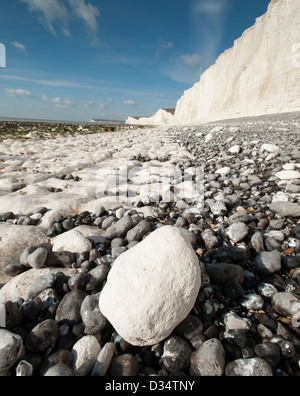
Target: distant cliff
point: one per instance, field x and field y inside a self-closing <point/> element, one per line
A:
<point x="259" y="75"/>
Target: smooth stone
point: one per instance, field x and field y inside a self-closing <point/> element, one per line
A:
<point x="163" y="275"/>
<point x="137" y="233"/>
<point x="268" y="262"/>
<point x="177" y="354"/>
<point x="72" y="241"/>
<point x="234" y="322"/>
<point x="68" y="310"/>
<point x="288" y="175"/>
<point x="237" y="232"/>
<point x="104" y="360"/>
<point x="223" y="171"/>
<point x="222" y="273"/>
<point x="10" y="349"/>
<point x="120" y="228"/>
<point x="287" y="209"/>
<point x="254" y="367"/>
<point x="92" y="318"/>
<point x="42" y="337"/>
<point x="257" y="242"/>
<point x="286" y="304"/>
<point x="40" y="284"/>
<point x="38" y="258"/>
<point x="271" y="148"/>
<point x="209" y="360"/>
<point x="96" y="277"/>
<point x="85" y="353"/>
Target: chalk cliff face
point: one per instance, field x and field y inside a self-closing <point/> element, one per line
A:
<point x="259" y="75"/>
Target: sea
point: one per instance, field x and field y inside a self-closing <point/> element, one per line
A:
<point x="92" y="122"/>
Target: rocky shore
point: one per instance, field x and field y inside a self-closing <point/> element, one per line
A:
<point x="196" y="276"/>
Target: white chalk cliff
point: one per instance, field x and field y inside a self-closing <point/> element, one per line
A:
<point x="259" y="75"/>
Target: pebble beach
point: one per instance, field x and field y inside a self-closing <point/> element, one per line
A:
<point x="170" y="251"/>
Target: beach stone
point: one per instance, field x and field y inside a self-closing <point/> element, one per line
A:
<point x="10" y="349"/>
<point x="163" y="275"/>
<point x="68" y="310"/>
<point x="92" y="318"/>
<point x="209" y="360"/>
<point x="177" y="354"/>
<point x="237" y="232"/>
<point x="268" y="262"/>
<point x="40" y="284"/>
<point x="38" y="258"/>
<point x="234" y="322"/>
<point x="218" y="208"/>
<point x="72" y="241"/>
<point x="137" y="233"/>
<point x="104" y="360"/>
<point x="286" y="304"/>
<point x="222" y="273"/>
<point x="257" y="242"/>
<point x="288" y="175"/>
<point x="14" y="240"/>
<point x="42" y="337"/>
<point x="120" y="228"/>
<point x="254" y="367"/>
<point x="85" y="353"/>
<point x="287" y="209"/>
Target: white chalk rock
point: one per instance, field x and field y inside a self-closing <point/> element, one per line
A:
<point x="85" y="353"/>
<point x="72" y="241"/>
<point x="288" y="175"/>
<point x="152" y="287"/>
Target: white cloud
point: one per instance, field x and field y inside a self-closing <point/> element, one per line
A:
<point x="129" y="103"/>
<point x="87" y="12"/>
<point x="18" y="92"/>
<point x="194" y="61"/>
<point x="52" y="12"/>
<point x="19" y="46"/>
<point x="60" y="103"/>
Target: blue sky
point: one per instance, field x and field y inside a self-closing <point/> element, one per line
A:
<point x="80" y="59"/>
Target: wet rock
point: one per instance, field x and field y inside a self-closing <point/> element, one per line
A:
<point x="68" y="310"/>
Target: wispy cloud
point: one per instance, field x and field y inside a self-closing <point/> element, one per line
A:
<point x="19" y="93"/>
<point x="208" y="19"/>
<point x="56" y="12"/>
<point x="129" y="103"/>
<point x="195" y="61"/>
<point x="19" y="46"/>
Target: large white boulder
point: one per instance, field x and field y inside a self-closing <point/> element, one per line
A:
<point x="152" y="287"/>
